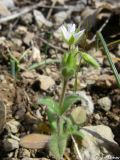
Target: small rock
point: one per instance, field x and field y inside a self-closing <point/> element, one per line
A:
<point x="40" y="19"/>
<point x="60" y="17"/>
<point x="36" y="56"/>
<point x="57" y="34"/>
<point x="27" y="18"/>
<point x="28" y="38"/>
<point x="13" y="126"/>
<point x="65" y="45"/>
<point x="30" y="119"/>
<point x="106" y="81"/>
<point x="17" y="41"/>
<point x="98" y="141"/>
<point x="25" y="152"/>
<point x="86" y="101"/>
<point x="20" y="113"/>
<point x="10" y="144"/>
<point x="79" y="115"/>
<point x="4" y="10"/>
<point x="77" y="19"/>
<point x="21" y="30"/>
<point x="97" y="116"/>
<point x="46" y="82"/>
<point x="105" y="103"/>
<point x="2" y="41"/>
<point x="8" y="3"/>
<point x="2" y="77"/>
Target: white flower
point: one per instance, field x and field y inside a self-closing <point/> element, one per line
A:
<point x="70" y="35"/>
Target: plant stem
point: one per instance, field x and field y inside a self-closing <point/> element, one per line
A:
<point x="63" y="93"/>
<point x="59" y="120"/>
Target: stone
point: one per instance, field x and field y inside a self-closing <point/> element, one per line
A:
<point x="41" y="20"/>
<point x="60" y="17"/>
<point x="10" y="144"/>
<point x="46" y="82"/>
<point x="97" y="140"/>
<point x="4" y="10"/>
<point x="20" y="113"/>
<point x="86" y="101"/>
<point x="97" y="116"/>
<point x="105" y="103"/>
<point x="28" y="38"/>
<point x="79" y="115"/>
<point x="8" y="3"/>
<point x="13" y="126"/>
<point x="17" y="41"/>
<point x="27" y="18"/>
<point x="25" y="152"/>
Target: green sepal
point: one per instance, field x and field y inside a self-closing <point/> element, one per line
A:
<point x="90" y="60"/>
<point x="71" y="40"/>
<point x="68" y="72"/>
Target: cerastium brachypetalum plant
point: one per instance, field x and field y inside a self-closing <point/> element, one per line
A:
<point x="62" y="126"/>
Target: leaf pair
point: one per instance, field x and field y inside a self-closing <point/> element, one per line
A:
<point x="53" y="106"/>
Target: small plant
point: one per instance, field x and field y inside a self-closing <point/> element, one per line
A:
<point x="15" y="63"/>
<point x="62" y="126"/>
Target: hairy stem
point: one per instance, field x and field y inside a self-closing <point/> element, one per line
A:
<point x="63" y="93"/>
<point x="59" y="120"/>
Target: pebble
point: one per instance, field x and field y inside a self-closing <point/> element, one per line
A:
<point x="10" y="144"/>
<point x="17" y="41"/>
<point x="27" y="18"/>
<point x="105" y="103"/>
<point x="2" y="77"/>
<point x="8" y="3"/>
<point x="25" y="152"/>
<point x="13" y="126"/>
<point x="46" y="82"/>
<point x="60" y="17"/>
<point x="97" y="116"/>
<point x="20" y="113"/>
<point x="97" y="140"/>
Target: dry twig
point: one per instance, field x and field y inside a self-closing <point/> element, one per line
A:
<point x="77" y="149"/>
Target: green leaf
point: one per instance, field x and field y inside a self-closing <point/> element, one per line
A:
<point x="52" y="110"/>
<point x="50" y="103"/>
<point x="52" y="119"/>
<point x="68" y="72"/>
<point x="69" y="101"/>
<point x="57" y="145"/>
<point x="90" y="60"/>
<point x="106" y="50"/>
<point x="71" y="129"/>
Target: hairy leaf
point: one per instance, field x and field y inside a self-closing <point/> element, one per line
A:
<point x="52" y="118"/>
<point x="57" y="145"/>
<point x="69" y="101"/>
<point x="50" y="103"/>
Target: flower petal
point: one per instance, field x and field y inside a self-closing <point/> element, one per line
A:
<point x="65" y="32"/>
<point x="71" y="28"/>
<point x="79" y="34"/>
